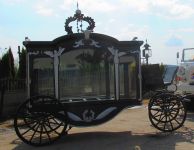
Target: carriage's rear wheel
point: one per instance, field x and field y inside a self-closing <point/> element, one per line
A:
<point x="38" y="128"/>
<point x="167" y="112"/>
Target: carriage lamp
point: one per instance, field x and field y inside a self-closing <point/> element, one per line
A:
<point x="147" y="52"/>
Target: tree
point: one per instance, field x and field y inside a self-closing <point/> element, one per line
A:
<point x="7" y="65"/>
<point x="162" y="68"/>
<point x="22" y="64"/>
<point x="11" y="63"/>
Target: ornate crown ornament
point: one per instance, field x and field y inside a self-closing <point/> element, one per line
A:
<point x="79" y="17"/>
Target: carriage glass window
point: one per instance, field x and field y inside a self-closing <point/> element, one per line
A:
<point x="42" y="77"/>
<point x="86" y="73"/>
<point x="128" y="77"/>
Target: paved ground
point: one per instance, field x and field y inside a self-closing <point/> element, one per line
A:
<point x="127" y="131"/>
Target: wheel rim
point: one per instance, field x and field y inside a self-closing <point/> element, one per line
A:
<point x="37" y="128"/>
<point x="167" y="112"/>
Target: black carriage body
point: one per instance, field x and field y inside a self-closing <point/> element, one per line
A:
<point x="92" y="79"/>
<point x="85" y="79"/>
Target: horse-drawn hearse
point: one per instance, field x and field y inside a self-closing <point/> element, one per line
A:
<point x="85" y="79"/>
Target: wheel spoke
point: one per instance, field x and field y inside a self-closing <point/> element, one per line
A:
<point x="26" y="124"/>
<point x="160" y="118"/>
<point x="165" y="122"/>
<point x="47" y="133"/>
<point x="166" y="112"/>
<point x="170" y="123"/>
<point x="57" y="125"/>
<point x="28" y="130"/>
<point x="174" y="109"/>
<point x="41" y="131"/>
<point x="55" y="121"/>
<point x="29" y="123"/>
<point x="155" y="115"/>
<point x="38" y="128"/>
<point x="34" y="132"/>
<point x="156" y="109"/>
<point x="52" y="129"/>
<point x="176" y="121"/>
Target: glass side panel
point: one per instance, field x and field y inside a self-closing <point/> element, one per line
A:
<point x="188" y="55"/>
<point x="169" y="73"/>
<point x="128" y="77"/>
<point x="42" y="77"/>
<point x="85" y="73"/>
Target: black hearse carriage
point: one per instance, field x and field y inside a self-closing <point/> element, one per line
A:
<point x="84" y="79"/>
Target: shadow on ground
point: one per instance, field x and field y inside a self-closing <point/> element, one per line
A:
<point x="125" y="140"/>
<point x="117" y="141"/>
<point x="190" y="116"/>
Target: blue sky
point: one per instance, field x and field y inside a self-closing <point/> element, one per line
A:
<point x="168" y="25"/>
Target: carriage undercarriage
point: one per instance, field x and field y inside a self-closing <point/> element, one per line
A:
<point x="42" y="119"/>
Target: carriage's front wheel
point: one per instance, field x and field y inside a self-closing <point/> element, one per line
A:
<point x="38" y="128"/>
<point x="167" y="112"/>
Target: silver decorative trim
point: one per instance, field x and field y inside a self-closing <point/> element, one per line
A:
<point x="87" y="34"/>
<point x="33" y="53"/>
<point x="74" y="117"/>
<point x="95" y="44"/>
<point x="105" y="113"/>
<point x="55" y="55"/>
<point x="81" y="43"/>
<point x="116" y="54"/>
<point x="88" y="115"/>
<point x="78" y="44"/>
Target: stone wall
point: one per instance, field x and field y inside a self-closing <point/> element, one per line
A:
<point x="11" y="101"/>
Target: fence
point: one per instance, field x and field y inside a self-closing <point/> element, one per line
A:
<point x="13" y="84"/>
<point x="13" y="95"/>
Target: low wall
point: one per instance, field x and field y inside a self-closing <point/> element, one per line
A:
<point x="11" y="101"/>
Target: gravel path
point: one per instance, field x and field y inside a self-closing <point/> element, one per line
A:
<point x="130" y="130"/>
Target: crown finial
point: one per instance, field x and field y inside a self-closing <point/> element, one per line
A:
<point x="79" y="17"/>
<point x="78" y="11"/>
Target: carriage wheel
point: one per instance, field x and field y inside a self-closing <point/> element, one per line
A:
<point x="167" y="112"/>
<point x="38" y="128"/>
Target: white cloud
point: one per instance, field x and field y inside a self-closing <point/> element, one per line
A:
<point x="99" y="6"/>
<point x="91" y="6"/>
<point x="182" y="30"/>
<point x="175" y="9"/>
<point x="68" y="4"/>
<point x="128" y="32"/>
<point x="44" y="11"/>
<point x="47" y="8"/>
<point x="174" y="41"/>
<point x="139" y="6"/>
<point x="168" y="8"/>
